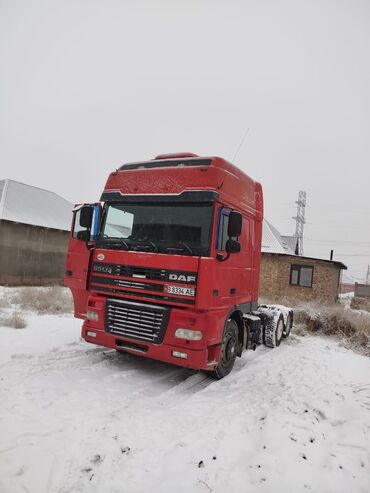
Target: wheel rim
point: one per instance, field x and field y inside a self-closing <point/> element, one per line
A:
<point x="228" y="350"/>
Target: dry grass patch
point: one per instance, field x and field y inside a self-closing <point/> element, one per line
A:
<point x="4" y="301"/>
<point x="53" y="300"/>
<point x="14" y="321"/>
<point x="339" y="320"/>
<point x="360" y="304"/>
<point x="350" y="326"/>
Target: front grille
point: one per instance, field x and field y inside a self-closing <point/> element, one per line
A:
<point x="130" y="271"/>
<point x="144" y="273"/>
<point x="136" y="320"/>
<point x="127" y="284"/>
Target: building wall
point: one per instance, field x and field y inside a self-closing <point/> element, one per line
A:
<point x="362" y="290"/>
<point x="275" y="279"/>
<point x="31" y="255"/>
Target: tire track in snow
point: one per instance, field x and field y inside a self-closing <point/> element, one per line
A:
<point x="264" y="414"/>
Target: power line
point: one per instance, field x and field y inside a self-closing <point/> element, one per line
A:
<point x="365" y="254"/>
<point x="346" y="242"/>
<point x="240" y="145"/>
<point x="353" y="255"/>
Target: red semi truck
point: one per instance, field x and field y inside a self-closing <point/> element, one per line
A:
<point x="167" y="264"/>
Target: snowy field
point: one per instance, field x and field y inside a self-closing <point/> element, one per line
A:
<point x="78" y="418"/>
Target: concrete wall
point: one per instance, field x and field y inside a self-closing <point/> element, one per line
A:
<point x="31" y="255"/>
<point x="275" y="279"/>
<point x="362" y="290"/>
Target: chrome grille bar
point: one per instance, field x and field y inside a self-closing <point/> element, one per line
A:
<point x="136" y="320"/>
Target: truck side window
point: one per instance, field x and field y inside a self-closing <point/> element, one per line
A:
<point x="76" y="225"/>
<point x="223" y="223"/>
<point x="77" y="229"/>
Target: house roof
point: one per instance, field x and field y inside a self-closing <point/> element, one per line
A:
<point x="26" y="204"/>
<point x="338" y="264"/>
<point x="274" y="242"/>
<point x="292" y="242"/>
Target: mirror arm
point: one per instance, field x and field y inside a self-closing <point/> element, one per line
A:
<point x="222" y="258"/>
<point x="88" y="246"/>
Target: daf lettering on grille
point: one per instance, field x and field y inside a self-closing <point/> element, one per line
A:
<point x="182" y="278"/>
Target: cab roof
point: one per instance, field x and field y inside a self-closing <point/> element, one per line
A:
<point x="174" y="174"/>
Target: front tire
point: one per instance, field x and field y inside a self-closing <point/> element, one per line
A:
<point x="229" y="348"/>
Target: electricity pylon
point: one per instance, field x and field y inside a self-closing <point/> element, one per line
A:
<point x="300" y="220"/>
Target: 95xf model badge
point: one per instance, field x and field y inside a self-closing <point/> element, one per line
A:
<point x="180" y="290"/>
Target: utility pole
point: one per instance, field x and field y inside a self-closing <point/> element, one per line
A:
<point x="300" y="220"/>
<point x="368" y="275"/>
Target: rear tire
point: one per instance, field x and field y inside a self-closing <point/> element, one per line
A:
<point x="229" y="348"/>
<point x="289" y="325"/>
<point x="273" y="332"/>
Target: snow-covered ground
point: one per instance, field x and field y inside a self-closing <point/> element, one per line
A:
<point x="78" y="418"/>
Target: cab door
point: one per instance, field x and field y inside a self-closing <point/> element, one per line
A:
<point x="78" y="260"/>
<point x="233" y="276"/>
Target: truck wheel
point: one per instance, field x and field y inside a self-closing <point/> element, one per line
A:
<point x="289" y="325"/>
<point x="274" y="332"/>
<point x="229" y="347"/>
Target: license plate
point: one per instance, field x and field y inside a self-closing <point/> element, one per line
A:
<point x="180" y="290"/>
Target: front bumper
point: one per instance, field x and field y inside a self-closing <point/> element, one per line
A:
<point x="197" y="359"/>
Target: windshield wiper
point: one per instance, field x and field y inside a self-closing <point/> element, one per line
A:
<point x="156" y="249"/>
<point x="136" y="243"/>
<point x="122" y="241"/>
<point x="186" y="246"/>
<point x="180" y="247"/>
<point x="143" y="242"/>
<point x="116" y="241"/>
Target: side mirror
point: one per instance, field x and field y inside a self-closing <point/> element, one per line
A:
<point x="235" y="224"/>
<point x="83" y="235"/>
<point x="232" y="246"/>
<point x="86" y="217"/>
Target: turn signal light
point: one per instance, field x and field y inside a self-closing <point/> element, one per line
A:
<point x="178" y="354"/>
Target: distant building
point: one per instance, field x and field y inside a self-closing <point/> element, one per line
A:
<point x="348" y="283"/>
<point x="362" y="290"/>
<point x="286" y="275"/>
<point x="34" y="231"/>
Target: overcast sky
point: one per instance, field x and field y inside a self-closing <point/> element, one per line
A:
<point x="87" y="85"/>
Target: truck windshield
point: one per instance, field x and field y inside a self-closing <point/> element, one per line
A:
<point x="163" y="228"/>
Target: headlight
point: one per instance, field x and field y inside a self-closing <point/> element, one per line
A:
<point x="90" y="315"/>
<point x="190" y="335"/>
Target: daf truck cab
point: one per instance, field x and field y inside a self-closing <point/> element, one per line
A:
<point x="166" y="265"/>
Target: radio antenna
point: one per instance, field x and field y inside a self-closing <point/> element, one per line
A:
<point x="240" y="145"/>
